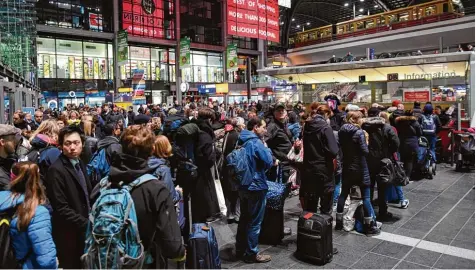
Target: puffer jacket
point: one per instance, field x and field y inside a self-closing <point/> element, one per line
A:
<point x="35" y="246"/>
<point x="89" y="148"/>
<point x="397" y="113"/>
<point x="278" y="140"/>
<point x="409" y="130"/>
<point x="162" y="171"/>
<point x="259" y="157"/>
<point x="49" y="152"/>
<point x="383" y="141"/>
<point x="354" y="152"/>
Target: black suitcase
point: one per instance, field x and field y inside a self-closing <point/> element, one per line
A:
<point x="314" y="238"/>
<point x="272" y="227"/>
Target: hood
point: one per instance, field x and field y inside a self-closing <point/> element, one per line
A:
<point x="247" y="135"/>
<point x="373" y="121"/>
<point x="349" y="129"/>
<point x="107" y="141"/>
<point x="42" y="141"/>
<point x="405" y="119"/>
<point x="7" y="202"/>
<point x="205" y="126"/>
<point x="218" y="125"/>
<point x="155" y="162"/>
<point x="126" y="168"/>
<point x="315" y="124"/>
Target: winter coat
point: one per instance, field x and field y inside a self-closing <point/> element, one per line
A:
<point x="320" y="148"/>
<point x="383" y="142"/>
<point x="49" y="152"/>
<point x="154" y="207"/>
<point x="112" y="145"/>
<point x="130" y="117"/>
<point x="5" y="168"/>
<point x="295" y="130"/>
<point x="162" y="171"/>
<point x="417" y="112"/>
<point x="204" y="195"/>
<point x="337" y="120"/>
<point x="395" y="115"/>
<point x="259" y="157"/>
<point x="114" y="117"/>
<point x="278" y="139"/>
<point x="89" y="148"/>
<point x="339" y="155"/>
<point x="229" y="141"/>
<point x="408" y="131"/>
<point x="354" y="152"/>
<point x="34" y="246"/>
<point x="70" y="210"/>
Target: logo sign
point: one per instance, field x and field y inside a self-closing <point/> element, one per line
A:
<point x="392" y="77"/>
<point x="138" y="87"/>
<point x="204" y="89"/>
<point x="231" y="57"/>
<point x="95" y="22"/>
<point x="148" y="6"/>
<point x="143" y="18"/>
<point x="289" y="87"/>
<point x="184" y="52"/>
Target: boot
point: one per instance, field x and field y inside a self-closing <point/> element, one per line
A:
<point x="339" y="221"/>
<point x="371" y="227"/>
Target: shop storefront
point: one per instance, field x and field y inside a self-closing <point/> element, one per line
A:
<point x="205" y="67"/>
<point x="239" y="76"/>
<point x="158" y="63"/>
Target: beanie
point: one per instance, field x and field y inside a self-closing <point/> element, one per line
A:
<point x="373" y="112"/>
<point x="428" y="109"/>
<point x="396" y="102"/>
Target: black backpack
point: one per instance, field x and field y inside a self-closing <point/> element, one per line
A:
<point x="378" y="146"/>
<point x="7" y="253"/>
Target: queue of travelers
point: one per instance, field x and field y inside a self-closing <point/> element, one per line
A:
<point x="56" y="167"/>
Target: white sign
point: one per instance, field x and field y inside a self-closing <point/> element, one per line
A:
<point x="285" y="3"/>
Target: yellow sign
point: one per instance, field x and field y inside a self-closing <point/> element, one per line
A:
<point x="222" y="88"/>
<point x="124" y="105"/>
<point x="124" y="90"/>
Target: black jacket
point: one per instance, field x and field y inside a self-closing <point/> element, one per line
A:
<point x="114" y="117"/>
<point x="383" y="141"/>
<point x="89" y="148"/>
<point x="112" y="146"/>
<point x="337" y="120"/>
<point x="408" y="131"/>
<point x="395" y="115"/>
<point x="278" y="139"/>
<point x="154" y="207"/>
<point x="70" y="210"/>
<point x="229" y="141"/>
<point x="130" y="117"/>
<point x="354" y="152"/>
<point x="5" y="167"/>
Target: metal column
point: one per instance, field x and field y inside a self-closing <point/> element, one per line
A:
<point x="248" y="79"/>
<point x="117" y="69"/>
<point x="472" y="90"/>
<point x="178" y="72"/>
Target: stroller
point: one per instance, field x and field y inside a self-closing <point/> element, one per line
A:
<point x="464" y="150"/>
<point x="425" y="160"/>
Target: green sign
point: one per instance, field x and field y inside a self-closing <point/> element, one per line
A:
<point x="232" y="57"/>
<point x="184" y="52"/>
<point x="122" y="47"/>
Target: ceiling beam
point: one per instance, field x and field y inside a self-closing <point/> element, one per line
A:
<point x="314" y="18"/>
<point x="382" y="5"/>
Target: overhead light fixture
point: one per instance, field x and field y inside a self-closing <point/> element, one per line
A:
<point x="308" y="23"/>
<point x="362" y="0"/>
<point x="298" y="26"/>
<point x="361" y="10"/>
<point x="346" y="4"/>
<point x="292" y="19"/>
<point x="376" y="6"/>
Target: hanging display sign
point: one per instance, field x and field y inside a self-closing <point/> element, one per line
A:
<point x="184" y="52"/>
<point x="138" y="87"/>
<point x="253" y="19"/>
<point x="122" y="47"/>
<point x="143" y="18"/>
<point x="205" y="89"/>
<point x="222" y="88"/>
<point x="411" y="95"/>
<point x="232" y="57"/>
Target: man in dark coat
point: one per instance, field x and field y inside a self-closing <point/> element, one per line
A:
<point x="68" y="190"/>
<point x="10" y="137"/>
<point x="383" y="143"/>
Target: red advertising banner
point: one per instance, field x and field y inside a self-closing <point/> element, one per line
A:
<point x="143" y="18"/>
<point x="411" y="96"/>
<point x="253" y="19"/>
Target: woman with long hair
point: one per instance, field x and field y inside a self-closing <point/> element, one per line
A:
<point x="355" y="172"/>
<point x="90" y="144"/>
<point x="30" y="227"/>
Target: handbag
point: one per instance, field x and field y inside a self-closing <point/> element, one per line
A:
<point x="277" y="192"/>
<point x="296" y="155"/>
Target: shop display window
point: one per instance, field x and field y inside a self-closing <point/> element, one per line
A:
<point x="95" y="60"/>
<point x="171" y="60"/>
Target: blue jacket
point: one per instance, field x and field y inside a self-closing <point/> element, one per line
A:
<point x="162" y="171"/>
<point x="37" y="242"/>
<point x="295" y="130"/>
<point x="259" y="158"/>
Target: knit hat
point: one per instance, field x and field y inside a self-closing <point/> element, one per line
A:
<point x="141" y="119"/>
<point x="373" y="112"/>
<point x="428" y="109"/>
<point x="396" y="102"/>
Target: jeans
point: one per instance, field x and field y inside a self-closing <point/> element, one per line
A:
<point x="432" y="141"/>
<point x="338" y="187"/>
<point x="399" y="190"/>
<point x="408" y="158"/>
<point x="252" y="206"/>
<point x="365" y="192"/>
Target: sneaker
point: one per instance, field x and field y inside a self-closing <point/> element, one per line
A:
<point x="287" y="231"/>
<point x="404" y="204"/>
<point x="258" y="258"/>
<point x="387" y="218"/>
<point x="379" y="224"/>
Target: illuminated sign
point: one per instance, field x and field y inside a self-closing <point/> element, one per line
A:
<point x="143" y="18"/>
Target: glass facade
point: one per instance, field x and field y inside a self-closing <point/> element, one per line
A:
<point x="205" y="67"/>
<point x="244" y="42"/>
<point x="158" y="63"/>
<point x="200" y="20"/>
<point x="92" y="15"/>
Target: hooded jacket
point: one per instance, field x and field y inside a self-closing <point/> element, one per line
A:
<point x="153" y="204"/>
<point x="397" y="113"/>
<point x="112" y="146"/>
<point x="34" y="246"/>
<point x="320" y="145"/>
<point x="89" y="148"/>
<point x="259" y="157"/>
<point x="383" y="141"/>
<point x="48" y="149"/>
<point x="354" y="153"/>
<point x="162" y="171"/>
<point x="408" y="131"/>
<point x="278" y="139"/>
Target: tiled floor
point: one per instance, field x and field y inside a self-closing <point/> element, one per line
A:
<point x="436" y="231"/>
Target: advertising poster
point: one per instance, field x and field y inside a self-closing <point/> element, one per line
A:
<point x="138" y="87"/>
<point x="253" y="19"/>
<point x="122" y="47"/>
<point x="184" y="52"/>
<point x="143" y="18"/>
<point x="231" y="57"/>
<point x="95" y="22"/>
<point x="411" y="95"/>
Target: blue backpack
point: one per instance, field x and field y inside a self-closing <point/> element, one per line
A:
<point x="428" y="125"/>
<point x="202" y="249"/>
<point x="98" y="167"/>
<point x="112" y="236"/>
<point x="238" y="166"/>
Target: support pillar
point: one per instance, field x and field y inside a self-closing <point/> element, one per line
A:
<point x="178" y="71"/>
<point x="116" y="27"/>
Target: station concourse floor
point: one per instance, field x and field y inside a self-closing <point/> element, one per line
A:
<point x="435" y="232"/>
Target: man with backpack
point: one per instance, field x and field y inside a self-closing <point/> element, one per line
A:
<point x="144" y="201"/>
<point x="253" y="192"/>
<point x="172" y="123"/>
<point x="430" y="124"/>
<point x="383" y="143"/>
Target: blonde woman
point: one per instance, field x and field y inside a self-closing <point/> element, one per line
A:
<point x="355" y="171"/>
<point x="90" y="143"/>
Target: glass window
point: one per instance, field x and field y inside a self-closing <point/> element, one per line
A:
<point x="369" y="24"/>
<point x="110" y="55"/>
<point x="172" y="65"/>
<point x="70" y="63"/>
<point x="403" y="16"/>
<point x="340" y="29"/>
<point x="140" y="59"/>
<point x="431" y="10"/>
<point x="392" y="18"/>
<point x="360" y="25"/>
<point x="95" y="57"/>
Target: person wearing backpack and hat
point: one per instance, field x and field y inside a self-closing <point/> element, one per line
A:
<point x="10" y="139"/>
<point x="430" y="124"/>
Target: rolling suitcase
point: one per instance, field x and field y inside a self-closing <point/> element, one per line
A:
<point x="314" y="238"/>
<point x="202" y="248"/>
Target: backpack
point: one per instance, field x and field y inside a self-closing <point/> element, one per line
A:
<point x="184" y="152"/>
<point x="112" y="236"/>
<point x="378" y="148"/>
<point x="98" y="167"/>
<point x="428" y="125"/>
<point x="7" y="253"/>
<point x="238" y="166"/>
<point x="171" y="127"/>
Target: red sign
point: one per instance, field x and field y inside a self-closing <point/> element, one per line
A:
<point x="143" y="18"/>
<point x="411" y="96"/>
<point x="253" y="19"/>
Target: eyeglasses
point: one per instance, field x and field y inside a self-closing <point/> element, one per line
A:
<point x="69" y="143"/>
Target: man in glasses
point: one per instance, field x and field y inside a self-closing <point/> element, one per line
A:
<point x="68" y="188"/>
<point x="10" y="138"/>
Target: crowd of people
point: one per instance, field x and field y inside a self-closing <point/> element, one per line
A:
<point x="50" y="177"/>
